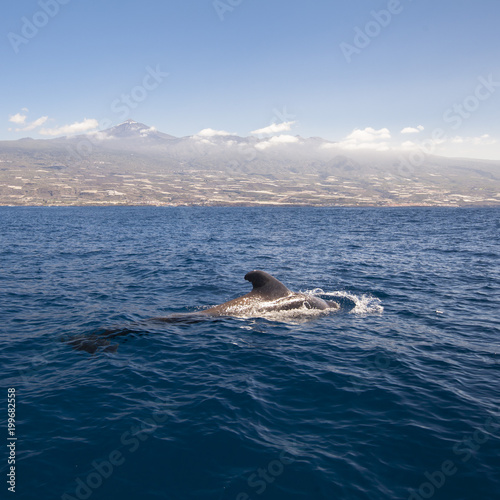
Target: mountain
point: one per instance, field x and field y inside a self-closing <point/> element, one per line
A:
<point x="134" y="130"/>
<point x="133" y="163"/>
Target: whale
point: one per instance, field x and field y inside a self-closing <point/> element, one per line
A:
<point x="268" y="294"/>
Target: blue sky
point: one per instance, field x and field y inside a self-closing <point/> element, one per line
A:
<point x="356" y="71"/>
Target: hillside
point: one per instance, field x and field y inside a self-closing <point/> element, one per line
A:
<point x="133" y="164"/>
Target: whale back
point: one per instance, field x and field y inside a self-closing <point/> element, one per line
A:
<point x="266" y="286"/>
<point x="266" y="296"/>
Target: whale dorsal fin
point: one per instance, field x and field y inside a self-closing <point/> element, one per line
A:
<point x="266" y="286"/>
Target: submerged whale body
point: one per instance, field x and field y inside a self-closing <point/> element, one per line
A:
<point x="268" y="294"/>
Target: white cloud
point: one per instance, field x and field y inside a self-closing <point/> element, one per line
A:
<point x="274" y="128"/>
<point x="75" y="128"/>
<point x="18" y="119"/>
<point x="409" y="145"/>
<point x="100" y="135"/>
<point x="146" y="131"/>
<point x="429" y="144"/>
<point x="483" y="140"/>
<point x="210" y="132"/>
<point x="33" y="125"/>
<point x="369" y="134"/>
<point x="456" y="146"/>
<point x="412" y="130"/>
<point x="277" y="140"/>
<point x="369" y="138"/>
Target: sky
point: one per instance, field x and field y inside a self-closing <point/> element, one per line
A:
<point x="375" y="75"/>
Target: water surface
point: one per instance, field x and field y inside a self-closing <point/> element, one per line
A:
<point x="395" y="396"/>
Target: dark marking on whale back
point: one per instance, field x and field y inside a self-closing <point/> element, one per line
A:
<point x="266" y="286"/>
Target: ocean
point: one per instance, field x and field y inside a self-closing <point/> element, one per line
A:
<point x="394" y="396"/>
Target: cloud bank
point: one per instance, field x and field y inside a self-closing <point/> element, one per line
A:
<point x="277" y="141"/>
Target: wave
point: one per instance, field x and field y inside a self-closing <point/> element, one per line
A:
<point x="352" y="303"/>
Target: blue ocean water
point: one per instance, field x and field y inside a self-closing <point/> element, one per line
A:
<point x="395" y="396"/>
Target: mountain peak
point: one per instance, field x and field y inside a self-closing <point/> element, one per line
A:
<point x="132" y="130"/>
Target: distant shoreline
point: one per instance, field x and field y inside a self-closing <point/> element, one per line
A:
<point x="241" y="205"/>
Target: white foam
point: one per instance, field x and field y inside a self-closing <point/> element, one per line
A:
<point x="298" y="315"/>
<point x="276" y="310"/>
<point x="363" y="304"/>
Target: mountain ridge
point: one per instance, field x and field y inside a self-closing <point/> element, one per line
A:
<point x="133" y="163"/>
